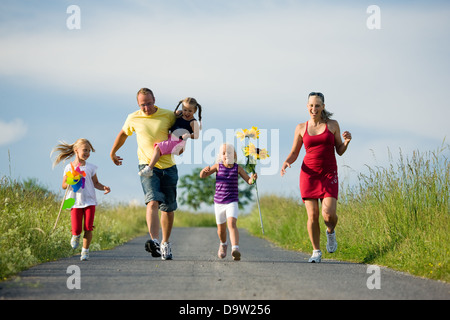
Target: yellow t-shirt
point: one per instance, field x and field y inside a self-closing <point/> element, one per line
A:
<point x="150" y="130"/>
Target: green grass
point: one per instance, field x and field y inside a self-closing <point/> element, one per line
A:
<point x="396" y="217"/>
<point x="28" y="213"/>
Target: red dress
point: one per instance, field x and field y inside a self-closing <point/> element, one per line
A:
<point x="318" y="177"/>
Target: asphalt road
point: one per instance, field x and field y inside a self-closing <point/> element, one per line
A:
<point x="265" y="272"/>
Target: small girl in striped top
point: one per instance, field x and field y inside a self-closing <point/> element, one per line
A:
<point x="226" y="197"/>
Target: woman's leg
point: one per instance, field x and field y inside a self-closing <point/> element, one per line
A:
<point x="312" y="209"/>
<point x="329" y="213"/>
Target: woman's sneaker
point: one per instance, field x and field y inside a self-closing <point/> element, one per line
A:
<point x="166" y="251"/>
<point x="146" y="172"/>
<point x="75" y="241"/>
<point x="153" y="247"/>
<point x="331" y="242"/>
<point x="316" y="256"/>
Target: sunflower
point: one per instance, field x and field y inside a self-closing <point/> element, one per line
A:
<point x="248" y="133"/>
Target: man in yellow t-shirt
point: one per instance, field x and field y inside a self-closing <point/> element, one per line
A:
<point x="151" y="125"/>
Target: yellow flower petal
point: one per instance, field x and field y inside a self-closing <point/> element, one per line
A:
<point x="263" y="154"/>
<point x="253" y="133"/>
<point x="240" y="135"/>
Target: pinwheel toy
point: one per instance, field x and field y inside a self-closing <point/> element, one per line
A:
<point x="76" y="178"/>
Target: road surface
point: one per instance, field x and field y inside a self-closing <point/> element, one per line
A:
<point x="265" y="272"/>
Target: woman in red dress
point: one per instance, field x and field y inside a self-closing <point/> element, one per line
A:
<point x="318" y="178"/>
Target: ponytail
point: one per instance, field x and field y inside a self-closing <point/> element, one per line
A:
<point x="67" y="151"/>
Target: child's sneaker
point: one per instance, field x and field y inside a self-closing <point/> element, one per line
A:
<point x="236" y="255"/>
<point x="316" y="256"/>
<point x="222" y="253"/>
<point x="146" y="172"/>
<point x="331" y="242"/>
<point x="84" y="255"/>
<point x="75" y="241"/>
<point x="153" y="247"/>
<point x="166" y="251"/>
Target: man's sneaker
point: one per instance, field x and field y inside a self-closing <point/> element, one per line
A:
<point x="316" y="256"/>
<point x="166" y="251"/>
<point x="152" y="246"/>
<point x="222" y="253"/>
<point x="75" y="241"/>
<point x="146" y="172"/>
<point x="331" y="242"/>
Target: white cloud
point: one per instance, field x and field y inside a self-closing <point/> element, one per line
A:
<point x="250" y="61"/>
<point x="12" y="131"/>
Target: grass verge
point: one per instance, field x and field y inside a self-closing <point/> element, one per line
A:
<point x="396" y="217"/>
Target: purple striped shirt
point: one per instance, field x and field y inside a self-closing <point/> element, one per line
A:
<point x="227" y="184"/>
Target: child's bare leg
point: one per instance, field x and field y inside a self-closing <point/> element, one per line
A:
<point x="234" y="233"/>
<point x="155" y="158"/>
<point x="222" y="232"/>
<point x="234" y="238"/>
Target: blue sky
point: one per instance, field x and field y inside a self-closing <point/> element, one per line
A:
<point x="249" y="63"/>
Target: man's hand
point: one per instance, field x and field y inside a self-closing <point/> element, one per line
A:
<point x="116" y="159"/>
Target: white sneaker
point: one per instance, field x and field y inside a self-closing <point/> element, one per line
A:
<point x="146" y="172"/>
<point x="84" y="255"/>
<point x="166" y="251"/>
<point x="75" y="241"/>
<point x="331" y="242"/>
<point x="316" y="256"/>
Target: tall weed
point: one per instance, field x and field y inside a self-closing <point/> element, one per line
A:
<point x="396" y="216"/>
<point x="28" y="213"/>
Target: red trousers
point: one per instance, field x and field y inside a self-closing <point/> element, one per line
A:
<point x="78" y="215"/>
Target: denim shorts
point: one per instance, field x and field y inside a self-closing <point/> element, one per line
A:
<point x="161" y="187"/>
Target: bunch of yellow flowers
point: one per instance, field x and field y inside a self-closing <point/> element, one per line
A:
<point x="250" y="151"/>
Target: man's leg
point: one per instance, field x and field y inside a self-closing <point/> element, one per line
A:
<point x="168" y="187"/>
<point x="166" y="225"/>
<point x="153" y="219"/>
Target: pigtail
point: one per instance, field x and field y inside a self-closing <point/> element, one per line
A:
<point x="199" y="107"/>
<point x="178" y="105"/>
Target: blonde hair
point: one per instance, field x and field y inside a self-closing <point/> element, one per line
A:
<point x="67" y="151"/>
<point x="227" y="146"/>
<point x="195" y="104"/>
<point x="145" y="91"/>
